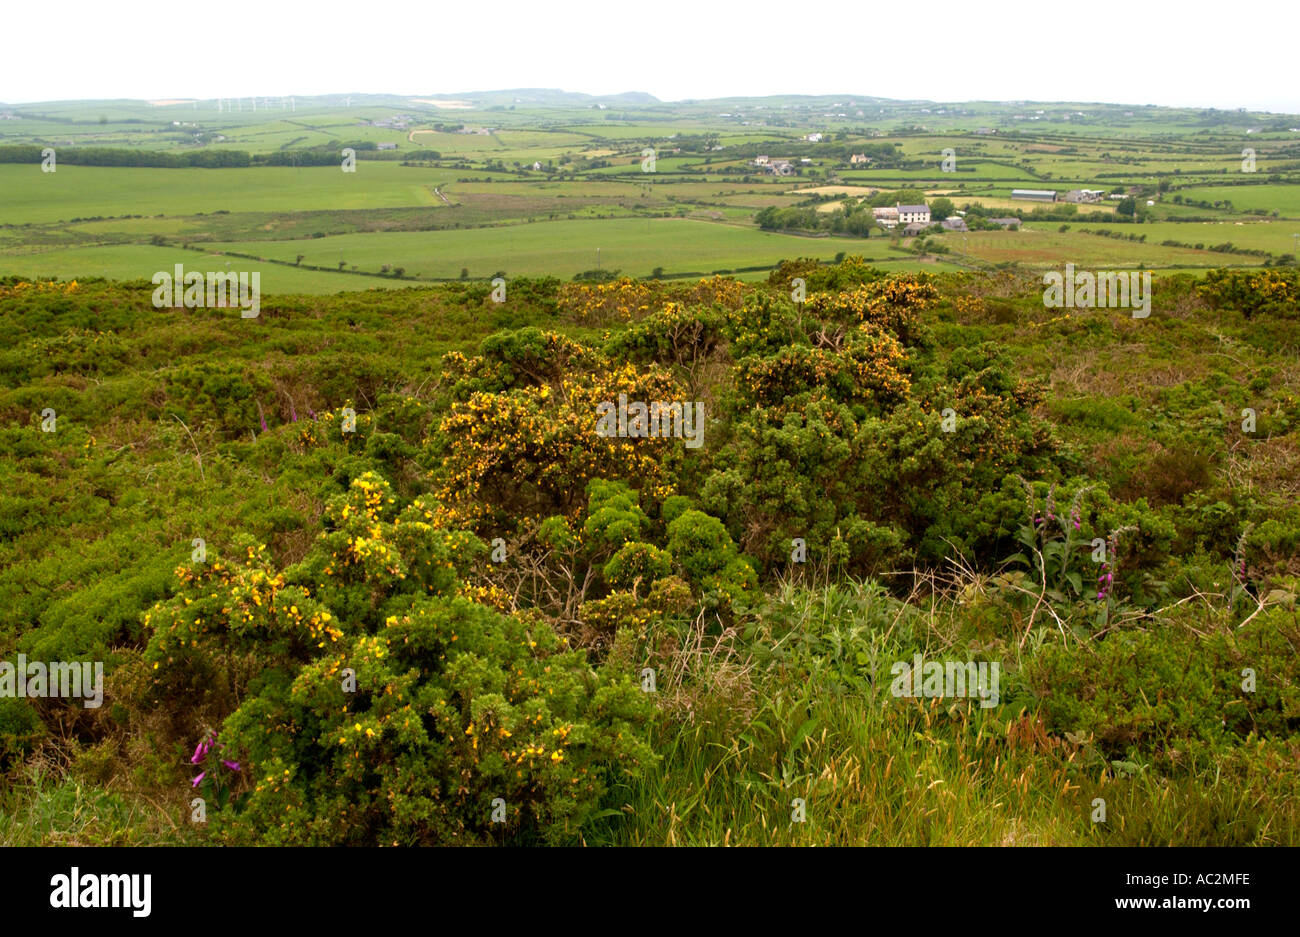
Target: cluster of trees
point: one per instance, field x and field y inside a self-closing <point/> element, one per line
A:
<point x="696" y="142"/>
<point x="855" y="220"/>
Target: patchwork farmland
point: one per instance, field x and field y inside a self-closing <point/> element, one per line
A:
<point x="1172" y="179"/>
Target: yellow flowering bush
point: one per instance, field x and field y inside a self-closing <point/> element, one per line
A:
<point x="458" y="713"/>
<point x="1274" y="292"/>
<point x="373" y="701"/>
<point x="530" y="451"/>
<point x="892" y="303"/>
<point x="869" y="370"/>
<point x="619" y="300"/>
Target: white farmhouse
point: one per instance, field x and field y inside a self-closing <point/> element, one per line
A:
<point x="914" y="213"/>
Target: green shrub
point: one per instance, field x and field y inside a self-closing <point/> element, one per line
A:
<point x="702" y="547"/>
<point x="455" y="706"/>
<point x="637" y="561"/>
<point x="20" y="729"/>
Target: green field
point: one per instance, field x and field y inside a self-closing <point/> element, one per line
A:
<point x="564" y="248"/>
<point x="140" y="262"/>
<point x="1284" y="199"/>
<point x="29" y="196"/>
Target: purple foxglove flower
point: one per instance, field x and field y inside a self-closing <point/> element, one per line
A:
<point x="198" y="780"/>
<point x="232" y="765"/>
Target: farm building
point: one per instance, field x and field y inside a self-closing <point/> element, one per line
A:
<point x="777" y="167"/>
<point x="913" y="229"/>
<point x="1005" y="222"/>
<point x="955" y="223"/>
<point x="1034" y="195"/>
<point x="885" y="217"/>
<point x="920" y="213"/>
<point x="387" y="146"/>
<point x="1085" y="195"/>
<point x="858" y="158"/>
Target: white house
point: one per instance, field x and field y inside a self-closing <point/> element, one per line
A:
<point x="914" y="213"/>
<point x="886" y="217"/>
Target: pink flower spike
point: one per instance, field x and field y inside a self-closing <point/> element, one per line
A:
<point x="195" y="782"/>
<point x="232" y="765"/>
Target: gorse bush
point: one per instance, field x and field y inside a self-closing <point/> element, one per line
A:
<point x="1266" y="292"/>
<point x="377" y="705"/>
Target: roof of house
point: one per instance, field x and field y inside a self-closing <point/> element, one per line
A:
<point x="914" y="208"/>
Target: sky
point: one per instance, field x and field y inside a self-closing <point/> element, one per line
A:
<point x="1132" y="52"/>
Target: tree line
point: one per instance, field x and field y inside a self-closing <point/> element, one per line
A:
<point x="198" y="159"/>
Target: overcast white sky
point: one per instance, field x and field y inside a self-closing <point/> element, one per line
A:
<point x="1124" y="51"/>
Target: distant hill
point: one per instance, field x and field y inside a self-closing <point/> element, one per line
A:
<point x="545" y="97"/>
